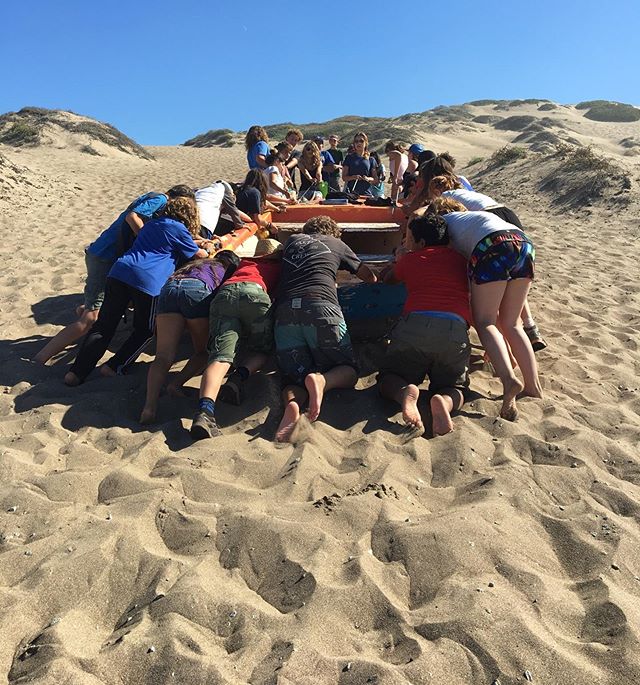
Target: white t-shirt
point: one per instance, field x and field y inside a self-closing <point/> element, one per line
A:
<point x="467" y="229"/>
<point x="209" y="201"/>
<point x="474" y="202"/>
<point x="271" y="188"/>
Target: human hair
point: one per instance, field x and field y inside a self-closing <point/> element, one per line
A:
<point x="426" y="156"/>
<point x="295" y="132"/>
<point x="181" y="191"/>
<point x="448" y="157"/>
<point x="446" y="205"/>
<point x="376" y="156"/>
<point x="429" y="170"/>
<point x="254" y="135"/>
<point x="255" y="179"/>
<point x="440" y="184"/>
<point x="392" y="146"/>
<point x="324" y="225"/>
<point x="272" y="157"/>
<point x="184" y="210"/>
<point x="284" y="148"/>
<point x="310" y="156"/>
<point x="227" y="258"/>
<point x="429" y="228"/>
<point x="362" y="134"/>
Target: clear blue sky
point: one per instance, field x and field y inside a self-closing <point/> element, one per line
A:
<point x="165" y="71"/>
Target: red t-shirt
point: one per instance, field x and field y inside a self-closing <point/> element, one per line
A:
<point x="264" y="272"/>
<point x="436" y="281"/>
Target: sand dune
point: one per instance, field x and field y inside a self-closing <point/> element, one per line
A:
<point x="499" y="553"/>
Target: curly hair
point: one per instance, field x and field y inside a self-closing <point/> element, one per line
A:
<point x="295" y="132"/>
<point x="254" y="135"/>
<point x="445" y="205"/>
<point x="448" y="157"/>
<point x="323" y="225"/>
<point x="362" y="134"/>
<point x="184" y="210"/>
<point x="310" y="158"/>
<point x="440" y="184"/>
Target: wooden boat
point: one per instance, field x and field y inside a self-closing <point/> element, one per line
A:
<point x="372" y="233"/>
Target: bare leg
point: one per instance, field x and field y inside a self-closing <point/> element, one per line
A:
<point x="68" y="335"/>
<point x="169" y="329"/>
<point x="199" y="331"/>
<point x="294" y="397"/>
<point x="485" y="302"/>
<point x="317" y="384"/>
<point x="212" y="379"/>
<point x="442" y="404"/>
<point x="509" y="318"/>
<point x="405" y="394"/>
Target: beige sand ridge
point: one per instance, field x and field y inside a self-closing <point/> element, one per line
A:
<point x="355" y="556"/>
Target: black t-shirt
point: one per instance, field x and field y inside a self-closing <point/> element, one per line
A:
<point x="295" y="154"/>
<point x="249" y="201"/>
<point x="310" y="264"/>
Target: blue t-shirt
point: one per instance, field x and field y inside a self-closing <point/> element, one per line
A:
<point x="159" y="247"/>
<point x="359" y="166"/>
<point x="105" y="246"/>
<point x="260" y="148"/>
<point x="326" y="158"/>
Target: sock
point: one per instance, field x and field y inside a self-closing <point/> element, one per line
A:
<point x="528" y="322"/>
<point x="206" y="404"/>
<point x="243" y="372"/>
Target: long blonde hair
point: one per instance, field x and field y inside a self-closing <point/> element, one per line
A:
<point x="310" y="156"/>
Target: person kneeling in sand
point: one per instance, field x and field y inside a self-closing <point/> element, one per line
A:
<point x="313" y="347"/>
<point x="431" y="339"/>
<point x="241" y="308"/>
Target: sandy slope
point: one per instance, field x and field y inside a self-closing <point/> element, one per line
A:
<point x="133" y="556"/>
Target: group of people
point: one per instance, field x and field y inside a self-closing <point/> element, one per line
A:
<point x="308" y="175"/>
<point x="465" y="261"/>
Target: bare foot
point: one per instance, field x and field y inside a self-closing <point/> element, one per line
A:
<point x="509" y="411"/>
<point x="536" y="391"/>
<point x="71" y="379"/>
<point x="409" y="404"/>
<point x="175" y="391"/>
<point x="148" y="416"/>
<point x="314" y="383"/>
<point x="290" y="418"/>
<point x="107" y="371"/>
<point x="442" y="423"/>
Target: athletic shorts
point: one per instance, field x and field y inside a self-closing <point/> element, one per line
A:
<point x="507" y="215"/>
<point x="187" y="296"/>
<point x="239" y="312"/>
<point x="311" y="336"/>
<point x="502" y="256"/>
<point x="97" y="271"/>
<point x="424" y="346"/>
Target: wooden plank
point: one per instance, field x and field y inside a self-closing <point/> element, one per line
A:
<point x="341" y="213"/>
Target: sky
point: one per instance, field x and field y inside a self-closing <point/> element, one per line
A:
<point x="163" y="72"/>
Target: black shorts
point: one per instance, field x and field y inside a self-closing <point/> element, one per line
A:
<point x="507" y="215"/>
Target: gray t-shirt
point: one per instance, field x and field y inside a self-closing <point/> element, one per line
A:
<point x="467" y="229"/>
<point x="310" y="264"/>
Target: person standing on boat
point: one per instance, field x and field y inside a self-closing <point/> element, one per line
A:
<point x="313" y="348"/>
<point x="333" y="179"/>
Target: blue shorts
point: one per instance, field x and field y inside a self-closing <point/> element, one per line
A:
<point x="311" y="336"/>
<point x="502" y="256"/>
<point x="97" y="270"/>
<point x="187" y="296"/>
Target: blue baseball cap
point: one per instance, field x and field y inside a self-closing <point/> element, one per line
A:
<point x="416" y="149"/>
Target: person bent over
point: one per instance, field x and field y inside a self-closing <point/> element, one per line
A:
<point x="431" y="339"/>
<point x="313" y="347"/>
<point x="241" y="310"/>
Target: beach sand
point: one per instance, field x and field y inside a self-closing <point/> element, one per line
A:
<point x="502" y="552"/>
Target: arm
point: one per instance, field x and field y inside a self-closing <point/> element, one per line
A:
<point x="238" y="218"/>
<point x="364" y="273"/>
<point x="134" y="221"/>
